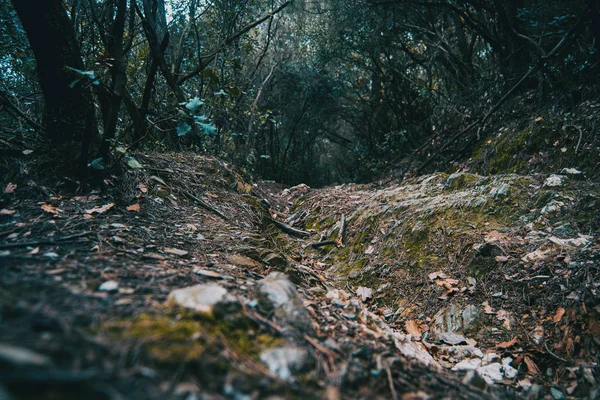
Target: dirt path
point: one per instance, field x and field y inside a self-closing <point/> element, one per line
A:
<point x="85" y="282"/>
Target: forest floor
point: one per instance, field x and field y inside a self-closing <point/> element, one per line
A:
<point x="443" y="286"/>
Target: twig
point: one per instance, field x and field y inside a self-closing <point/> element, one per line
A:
<point x="391" y="383"/>
<point x="340" y="238"/>
<point x="43" y="241"/>
<point x="580" y="136"/>
<point x="554" y="355"/>
<point x="322" y="243"/>
<point x="288" y="229"/>
<point x="206" y="206"/>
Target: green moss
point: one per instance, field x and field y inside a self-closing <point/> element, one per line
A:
<point x="183" y="338"/>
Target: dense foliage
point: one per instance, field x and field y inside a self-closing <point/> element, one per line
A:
<point x="314" y="91"/>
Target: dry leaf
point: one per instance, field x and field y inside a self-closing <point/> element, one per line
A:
<point x="532" y="368"/>
<point x="206" y="272"/>
<point x="538" y="119"/>
<point x="412" y="328"/>
<point x="4" y="211"/>
<point x="49" y="209"/>
<point x="487" y="308"/>
<point x="177" y="252"/>
<point x="559" y="314"/>
<point x="370" y="250"/>
<point x="143" y="188"/>
<point x="10" y="188"/>
<point x="504" y="316"/>
<point x="364" y="293"/>
<point x="448" y="293"/>
<point x="510" y="343"/>
<point x="438" y="274"/>
<point x="447" y="283"/>
<point x="134" y="207"/>
<point x="100" y="210"/>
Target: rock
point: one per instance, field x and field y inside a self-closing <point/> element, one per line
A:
<point x="452" y="338"/>
<point x="491" y="372"/>
<point x="201" y="298"/>
<point x="19" y="356"/>
<point x="509" y="372"/>
<point x="556" y="394"/>
<point x="573" y="173"/>
<point x="490" y="358"/>
<point x="285" y="361"/>
<point x="109" y="286"/>
<point x="415" y="351"/>
<point x="277" y="294"/>
<point x="467" y="365"/>
<point x="454" y="319"/>
<point x="553" y="181"/>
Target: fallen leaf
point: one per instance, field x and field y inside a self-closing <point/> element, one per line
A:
<point x="134" y="207"/>
<point x="532" y="368"/>
<point x="559" y="314"/>
<point x="448" y="293"/>
<point x="364" y="292"/>
<point x="206" y="272"/>
<point x="4" y="211"/>
<point x="100" y="210"/>
<point x="487" y="308"/>
<point x="143" y="188"/>
<point x="177" y="252"/>
<point x="447" y="283"/>
<point x="10" y="188"/>
<point x="370" y="250"/>
<point x="504" y="316"/>
<point x="49" y="208"/>
<point x="501" y="259"/>
<point x="510" y="343"/>
<point x="438" y="274"/>
<point x="34" y="251"/>
<point x="412" y="328"/>
<point x="212" y="196"/>
<point x="538" y="119"/>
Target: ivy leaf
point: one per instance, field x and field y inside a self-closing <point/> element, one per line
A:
<point x="194" y="104"/>
<point x="207" y="128"/>
<point x="183" y="128"/>
<point x="200" y="118"/>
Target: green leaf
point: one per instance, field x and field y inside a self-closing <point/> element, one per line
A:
<point x="210" y="74"/>
<point x="194" y="104"/>
<point x="207" y="128"/>
<point x="133" y="163"/>
<point x="98" y="164"/>
<point x="183" y="128"/>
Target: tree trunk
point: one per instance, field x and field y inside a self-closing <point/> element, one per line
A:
<point x="69" y="111"/>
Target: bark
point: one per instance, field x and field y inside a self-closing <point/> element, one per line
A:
<point x="69" y="111"/>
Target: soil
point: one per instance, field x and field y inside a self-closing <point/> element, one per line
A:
<point x="402" y="256"/>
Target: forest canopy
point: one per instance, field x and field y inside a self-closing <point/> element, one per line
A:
<point x="294" y="91"/>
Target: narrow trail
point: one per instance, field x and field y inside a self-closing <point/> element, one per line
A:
<point x="91" y="288"/>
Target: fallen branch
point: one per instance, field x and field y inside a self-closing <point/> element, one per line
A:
<point x="288" y="229"/>
<point x="337" y="241"/>
<point x="43" y="241"/>
<point x="322" y="243"/>
<point x="206" y="206"/>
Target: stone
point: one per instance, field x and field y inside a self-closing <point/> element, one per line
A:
<point x="200" y="298"/>
<point x="285" y="361"/>
<point x="467" y="365"/>
<point x="277" y="294"/>
<point x="19" y="356"/>
<point x="414" y="351"/>
<point x="109" y="286"/>
<point x="553" y="181"/>
<point x="491" y="372"/>
<point x="452" y="338"/>
<point x="501" y="192"/>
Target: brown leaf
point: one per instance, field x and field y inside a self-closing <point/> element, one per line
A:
<point x="134" y="207"/>
<point x="143" y="188"/>
<point x="10" y="188"/>
<point x="4" y="211"/>
<point x="438" y="274"/>
<point x="177" y="252"/>
<point x="559" y="314"/>
<point x="100" y="210"/>
<point x="448" y="293"/>
<point x="487" y="308"/>
<point x="412" y="328"/>
<point x="49" y="208"/>
<point x="510" y="343"/>
<point x="206" y="272"/>
<point x="532" y="368"/>
<point x="447" y="283"/>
